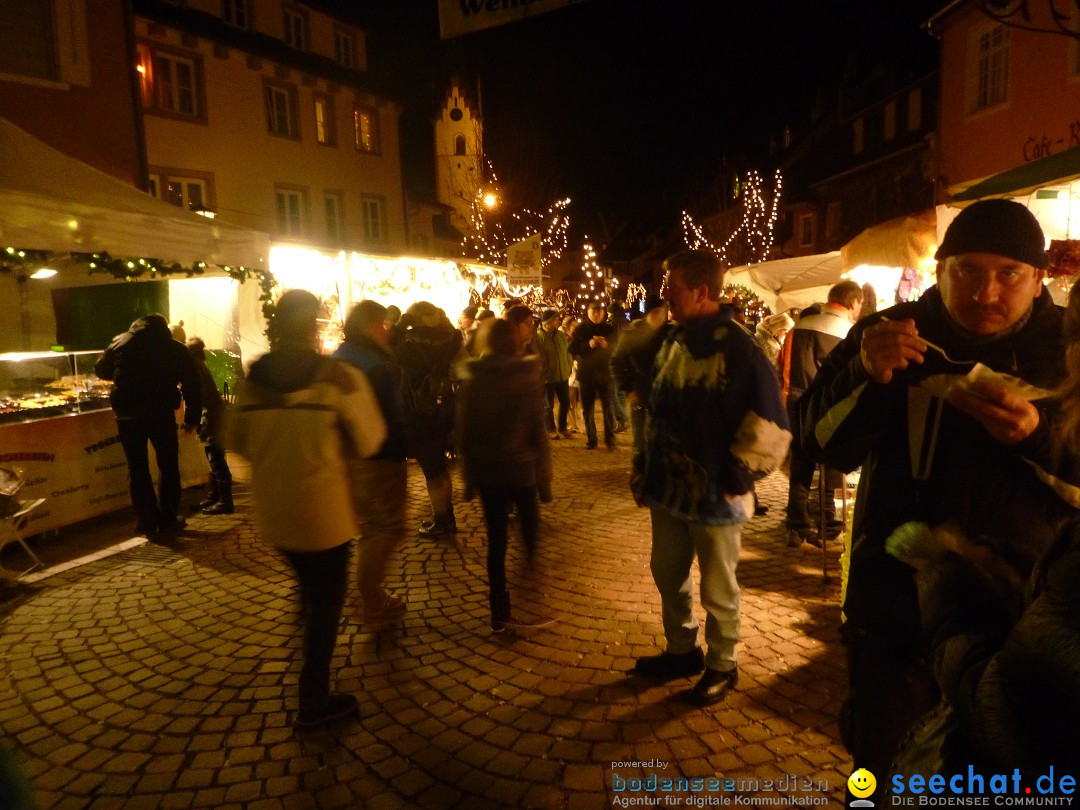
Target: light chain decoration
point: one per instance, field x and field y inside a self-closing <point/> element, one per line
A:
<point x="759" y="215"/>
<point x="487" y="238"/>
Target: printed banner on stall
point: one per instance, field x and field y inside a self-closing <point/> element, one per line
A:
<point x="524" y="262"/>
<point x="77" y="465"/>
<point x="457" y="17"/>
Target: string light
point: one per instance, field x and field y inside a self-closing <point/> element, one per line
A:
<point x="756" y="230"/>
<point x="486" y="239"/>
<point x="634" y="293"/>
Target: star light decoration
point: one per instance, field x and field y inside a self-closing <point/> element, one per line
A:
<point x="755" y="232"/>
<point x="487" y="238"/>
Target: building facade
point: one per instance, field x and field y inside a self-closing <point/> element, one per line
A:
<point x="1009" y="97"/>
<point x="264" y="112"/>
<point x="65" y="78"/>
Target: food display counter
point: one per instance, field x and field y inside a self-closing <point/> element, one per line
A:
<point x="58" y="430"/>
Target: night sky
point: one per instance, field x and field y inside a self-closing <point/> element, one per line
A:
<point x="630" y="107"/>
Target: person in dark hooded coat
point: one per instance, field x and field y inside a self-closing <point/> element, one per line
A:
<point x="504" y="447"/>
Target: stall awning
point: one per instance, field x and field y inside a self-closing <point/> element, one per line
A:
<point x="793" y="282"/>
<point x="49" y="201"/>
<point x="1020" y="180"/>
<point x="902" y="242"/>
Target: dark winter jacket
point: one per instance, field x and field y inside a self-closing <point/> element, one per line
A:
<point x="634" y="355"/>
<point x="500" y="424"/>
<point x="594" y="362"/>
<point x="924" y="460"/>
<point x="1012" y="682"/>
<point x="146" y="365"/>
<point x="427" y="355"/>
<point x="384" y="374"/>
<point x="715" y="425"/>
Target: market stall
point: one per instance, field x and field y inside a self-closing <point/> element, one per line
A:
<point x="58" y="214"/>
<point x="793" y="282"/>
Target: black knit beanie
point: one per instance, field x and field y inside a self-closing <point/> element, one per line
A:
<point x="1001" y="227"/>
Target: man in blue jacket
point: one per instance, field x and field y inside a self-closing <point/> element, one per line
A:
<point x="715" y="425"/>
<point x="379" y="483"/>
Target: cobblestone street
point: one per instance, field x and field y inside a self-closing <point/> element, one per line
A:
<point x="165" y="677"/>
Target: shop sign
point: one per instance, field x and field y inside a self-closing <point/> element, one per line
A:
<point x="77" y="465"/>
<point x="524" y="262"/>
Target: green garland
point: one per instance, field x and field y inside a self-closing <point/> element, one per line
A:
<point x="748" y="302"/>
<point x="132" y="268"/>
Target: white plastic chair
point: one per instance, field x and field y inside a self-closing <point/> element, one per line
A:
<point x="12" y="531"/>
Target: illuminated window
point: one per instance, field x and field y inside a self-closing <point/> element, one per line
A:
<point x="373" y="216"/>
<point x="235" y="12"/>
<point x="345" y="47"/>
<point x="990" y="68"/>
<point x="366" y="124"/>
<point x="169" y="83"/>
<point x="291" y="205"/>
<point x="281" y="116"/>
<point x="294" y="28"/>
<point x="325" y="124"/>
<point x="332" y="211"/>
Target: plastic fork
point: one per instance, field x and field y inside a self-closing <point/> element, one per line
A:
<point x="938" y="349"/>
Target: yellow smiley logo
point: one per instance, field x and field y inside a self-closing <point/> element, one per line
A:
<point x="861" y="783"/>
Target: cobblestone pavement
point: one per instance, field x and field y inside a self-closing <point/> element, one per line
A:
<point x="166" y="677"/>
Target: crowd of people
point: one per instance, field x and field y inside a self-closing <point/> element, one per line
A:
<point x="962" y="410"/>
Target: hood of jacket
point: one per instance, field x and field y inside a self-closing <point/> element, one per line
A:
<point x="286" y="369"/>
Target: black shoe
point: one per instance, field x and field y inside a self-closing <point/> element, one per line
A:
<point x="202" y="506"/>
<point x="590" y="446"/>
<point x="337" y="706"/>
<point x="610" y="446"/>
<point x="760" y="510"/>
<point x="173" y="526"/>
<point x="219" y="508"/>
<point x="713" y="686"/>
<point x="667" y="666"/>
<point x="438" y="529"/>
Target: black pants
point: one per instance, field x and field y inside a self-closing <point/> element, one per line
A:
<point x="495" y="501"/>
<point x="219" y="466"/>
<point x="889" y="690"/>
<point x="158" y="511"/>
<point x="323" y="577"/>
<point x="605" y="392"/>
<point x="561" y="391"/>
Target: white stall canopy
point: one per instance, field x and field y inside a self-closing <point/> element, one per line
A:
<point x="794" y="282"/>
<point x="49" y="201"/>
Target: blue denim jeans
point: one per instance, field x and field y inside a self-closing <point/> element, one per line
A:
<point x="675" y="542"/>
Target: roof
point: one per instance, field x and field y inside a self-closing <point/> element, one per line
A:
<point x="49" y="201"/>
<point x="1020" y="180"/>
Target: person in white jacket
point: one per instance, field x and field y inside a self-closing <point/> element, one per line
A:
<point x="298" y="418"/>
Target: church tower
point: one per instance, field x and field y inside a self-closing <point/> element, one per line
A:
<point x="459" y="155"/>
